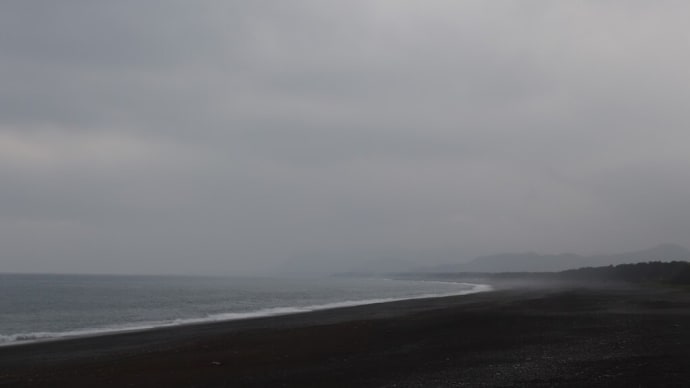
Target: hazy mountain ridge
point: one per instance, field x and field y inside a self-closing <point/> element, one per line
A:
<point x="534" y="262"/>
<point x="651" y="272"/>
<point x="362" y="263"/>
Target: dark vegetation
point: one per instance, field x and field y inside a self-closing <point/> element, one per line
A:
<point x="674" y="272"/>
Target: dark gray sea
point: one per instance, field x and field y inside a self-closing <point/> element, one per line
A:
<point x="45" y="307"/>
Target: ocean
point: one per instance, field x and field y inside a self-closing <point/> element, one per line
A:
<point x="37" y="307"/>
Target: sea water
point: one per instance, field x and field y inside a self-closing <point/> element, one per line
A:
<point x="43" y="307"/>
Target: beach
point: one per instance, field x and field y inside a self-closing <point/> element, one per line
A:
<point x="517" y="336"/>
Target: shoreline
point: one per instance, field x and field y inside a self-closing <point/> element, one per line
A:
<point x="45" y="337"/>
<point x="525" y="336"/>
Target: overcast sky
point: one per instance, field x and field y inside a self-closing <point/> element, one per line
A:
<point x="230" y="136"/>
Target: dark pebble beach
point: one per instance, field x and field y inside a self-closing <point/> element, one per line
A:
<point x="525" y="336"/>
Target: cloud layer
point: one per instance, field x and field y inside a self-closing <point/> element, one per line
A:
<point x="206" y="137"/>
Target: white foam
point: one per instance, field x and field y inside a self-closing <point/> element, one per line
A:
<point x="23" y="338"/>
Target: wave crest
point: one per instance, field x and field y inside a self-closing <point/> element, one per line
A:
<point x="22" y="338"/>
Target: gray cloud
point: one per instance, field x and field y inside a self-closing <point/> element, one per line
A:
<point x="166" y="136"/>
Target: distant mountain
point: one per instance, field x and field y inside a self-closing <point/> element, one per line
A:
<point x="652" y="272"/>
<point x="534" y="262"/>
<point x="383" y="262"/>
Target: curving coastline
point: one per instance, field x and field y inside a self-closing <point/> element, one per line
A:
<point x="34" y="337"/>
<point x="569" y="336"/>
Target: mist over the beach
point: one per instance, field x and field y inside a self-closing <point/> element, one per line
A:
<point x="235" y="137"/>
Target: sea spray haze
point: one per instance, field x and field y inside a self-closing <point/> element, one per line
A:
<point x="35" y="307"/>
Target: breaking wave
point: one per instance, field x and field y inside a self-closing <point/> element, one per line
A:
<point x="23" y="338"/>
